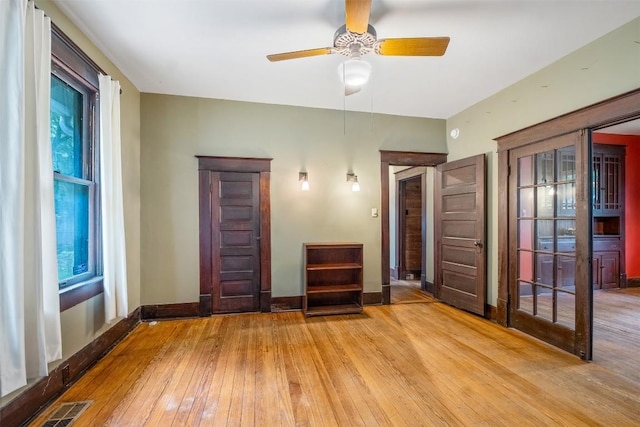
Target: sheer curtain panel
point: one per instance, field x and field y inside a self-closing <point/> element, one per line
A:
<point x="113" y="233"/>
<point x="29" y="303"/>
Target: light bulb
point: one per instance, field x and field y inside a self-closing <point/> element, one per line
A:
<point x="305" y="185"/>
<point x="355" y="186"/>
<point x="354" y="72"/>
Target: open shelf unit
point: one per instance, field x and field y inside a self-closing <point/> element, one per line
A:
<point x="332" y="278"/>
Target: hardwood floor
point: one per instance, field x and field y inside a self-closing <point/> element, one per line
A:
<point x="616" y="331"/>
<point x="408" y="291"/>
<point x="406" y="364"/>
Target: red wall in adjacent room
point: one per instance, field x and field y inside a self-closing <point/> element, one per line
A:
<point x="631" y="194"/>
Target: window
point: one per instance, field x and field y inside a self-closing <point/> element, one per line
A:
<point x="74" y="144"/>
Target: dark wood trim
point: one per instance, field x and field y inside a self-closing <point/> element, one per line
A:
<point x="265" y="242"/>
<point x="384" y="231"/>
<point x="610" y="111"/>
<point x="170" y="311"/>
<point x="206" y="267"/>
<point x="372" y="298"/>
<point x="82" y="293"/>
<point x="68" y="56"/>
<point x="633" y="282"/>
<point x="583" y="267"/>
<point x="428" y="286"/>
<point x="491" y="312"/>
<point x="208" y="165"/>
<point x="386" y="294"/>
<point x="412" y="158"/>
<point x="396" y="158"/>
<point x="29" y="403"/>
<point x="502" y="316"/>
<point x="205" y="305"/>
<point x="234" y="164"/>
<point x="286" y="303"/>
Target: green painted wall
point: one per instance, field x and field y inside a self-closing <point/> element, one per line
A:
<point x="325" y="143"/>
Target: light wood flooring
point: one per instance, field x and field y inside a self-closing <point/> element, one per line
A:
<point x="407" y="364"/>
<point x="408" y="291"/>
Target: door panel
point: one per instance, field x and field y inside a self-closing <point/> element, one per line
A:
<point x="460" y="219"/>
<point x="235" y="252"/>
<point x="548" y="205"/>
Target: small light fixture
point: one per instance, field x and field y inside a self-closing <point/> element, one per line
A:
<point x="354" y="72"/>
<point x="353" y="178"/>
<point x="455" y="133"/>
<point x="303" y="177"/>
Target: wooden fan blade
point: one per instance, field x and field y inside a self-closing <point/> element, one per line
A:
<point x="419" y="46"/>
<point x="299" y="54"/>
<point x="357" y="15"/>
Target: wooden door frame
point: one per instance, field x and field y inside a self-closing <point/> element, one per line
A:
<point x="401" y="178"/>
<point x="396" y="158"/>
<point x="262" y="166"/>
<point x="615" y="110"/>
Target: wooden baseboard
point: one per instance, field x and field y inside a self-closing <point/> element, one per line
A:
<point x="491" y="313"/>
<point x="286" y="303"/>
<point x="502" y="312"/>
<point x="30" y="402"/>
<point x="633" y="282"/>
<point x="170" y="311"/>
<point x="428" y="287"/>
<point x="372" y="298"/>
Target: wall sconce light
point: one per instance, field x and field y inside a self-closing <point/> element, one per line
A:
<point x="303" y="177"/>
<point x="353" y="178"/>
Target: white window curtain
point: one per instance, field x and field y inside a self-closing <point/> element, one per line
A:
<point x="113" y="233"/>
<point x="30" y="334"/>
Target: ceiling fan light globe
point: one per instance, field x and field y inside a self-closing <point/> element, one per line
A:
<point x="354" y="72"/>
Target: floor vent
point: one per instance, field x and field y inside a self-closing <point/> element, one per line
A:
<point x="66" y="414"/>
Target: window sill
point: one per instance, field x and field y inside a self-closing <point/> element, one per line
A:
<point x="75" y="294"/>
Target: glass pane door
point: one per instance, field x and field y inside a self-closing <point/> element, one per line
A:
<point x="543" y="232"/>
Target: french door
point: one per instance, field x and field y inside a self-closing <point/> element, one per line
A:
<point x="549" y="240"/>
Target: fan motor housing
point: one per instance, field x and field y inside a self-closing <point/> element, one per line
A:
<point x="347" y="43"/>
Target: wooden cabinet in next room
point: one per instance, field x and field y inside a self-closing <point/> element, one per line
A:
<point x="608" y="164"/>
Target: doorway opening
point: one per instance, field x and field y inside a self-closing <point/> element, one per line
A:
<point x="616" y="246"/>
<point x="411" y="189"/>
<point x="402" y="159"/>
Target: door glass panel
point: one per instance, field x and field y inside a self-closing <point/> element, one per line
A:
<point x="566" y="199"/>
<point x="525" y="297"/>
<point x="566" y="309"/>
<point x="544" y="167"/>
<point x="525" y="265"/>
<point x="525" y="171"/>
<point x="546" y="212"/>
<point x="545" y="201"/>
<point x="525" y="197"/>
<point x="544" y="235"/>
<point x="525" y="235"/>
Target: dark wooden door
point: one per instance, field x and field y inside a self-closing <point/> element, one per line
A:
<point x="235" y="227"/>
<point x="460" y="220"/>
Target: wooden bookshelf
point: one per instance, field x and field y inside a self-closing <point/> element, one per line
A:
<point x="332" y="278"/>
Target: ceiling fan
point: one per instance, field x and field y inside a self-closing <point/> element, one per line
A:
<point x="357" y="38"/>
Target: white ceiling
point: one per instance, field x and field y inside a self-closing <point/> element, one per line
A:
<point x="217" y="48"/>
